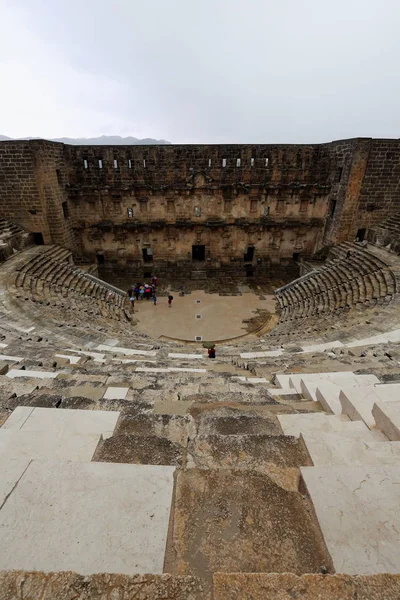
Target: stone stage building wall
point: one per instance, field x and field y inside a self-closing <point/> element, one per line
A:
<point x="216" y="205"/>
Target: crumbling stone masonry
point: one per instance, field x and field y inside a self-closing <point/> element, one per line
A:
<point x="235" y="207"/>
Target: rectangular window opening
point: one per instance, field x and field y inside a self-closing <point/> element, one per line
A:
<point x="238" y="162"/>
<point x="252" y="162"/>
<point x="129" y="163"/>
<point x="100" y="163"/>
<point x="144" y="163"/>
<point x="266" y="162"/>
<point x="198" y="338"/>
<point x="224" y="162"/>
<point x="100" y="259"/>
<point x="147" y="254"/>
<point x="115" y="163"/>
<point x="85" y="163"/>
<point x="209" y="162"/>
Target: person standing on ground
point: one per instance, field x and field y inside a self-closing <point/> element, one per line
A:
<point x="137" y="290"/>
<point x="132" y="301"/>
<point x="211" y="352"/>
<point x="154" y="280"/>
<point x="170" y="298"/>
<point x="154" y="299"/>
<point x="130" y="293"/>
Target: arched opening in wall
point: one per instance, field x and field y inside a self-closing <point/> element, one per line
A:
<point x="38" y="238"/>
<point x="100" y="259"/>
<point x="198" y="252"/>
<point x="360" y="237"/>
<point x="296" y="256"/>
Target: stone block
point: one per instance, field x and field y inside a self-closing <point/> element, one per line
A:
<point x="316" y="425"/>
<point x="337" y="450"/>
<point x="71" y="586"/>
<point x="141" y="450"/>
<point x="307" y="384"/>
<point x="387" y="418"/>
<point x="358" y="512"/>
<point x="87" y="517"/>
<point x="116" y="393"/>
<point x="186" y="356"/>
<point x="63" y="422"/>
<point x="13" y="373"/>
<point x="47" y="445"/>
<point x="234" y="521"/>
<point x="126" y="351"/>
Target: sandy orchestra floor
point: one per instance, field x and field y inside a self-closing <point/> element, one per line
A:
<point x="220" y="316"/>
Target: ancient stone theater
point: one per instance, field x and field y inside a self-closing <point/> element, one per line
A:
<point x="233" y="433"/>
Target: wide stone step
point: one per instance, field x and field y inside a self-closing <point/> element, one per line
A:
<point x="358" y="403"/>
<point x="86" y="517"/>
<point x="241" y="521"/>
<point x="358" y="512"/>
<point x="316" y="425"/>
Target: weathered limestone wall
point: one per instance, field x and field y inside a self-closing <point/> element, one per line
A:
<point x="123" y="203"/>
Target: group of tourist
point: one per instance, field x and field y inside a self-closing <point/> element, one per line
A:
<point x="145" y="291"/>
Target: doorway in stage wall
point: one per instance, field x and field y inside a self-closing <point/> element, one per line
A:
<point x="38" y="238"/>
<point x="249" y="254"/>
<point x="198" y="253"/>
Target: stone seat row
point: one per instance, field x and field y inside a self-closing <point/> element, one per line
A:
<point x="47" y="275"/>
<point x="338" y="285"/>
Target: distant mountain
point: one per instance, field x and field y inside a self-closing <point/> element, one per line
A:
<point x="103" y="140"/>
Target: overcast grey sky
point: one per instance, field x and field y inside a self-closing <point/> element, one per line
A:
<point x="256" y="71"/>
